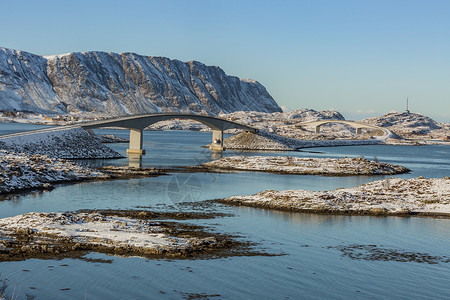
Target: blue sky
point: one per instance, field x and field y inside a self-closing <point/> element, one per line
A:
<point x="360" y="57"/>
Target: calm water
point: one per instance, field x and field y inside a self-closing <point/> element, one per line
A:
<point x="7" y="128"/>
<point x="309" y="269"/>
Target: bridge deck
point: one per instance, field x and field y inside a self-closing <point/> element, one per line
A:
<point x="145" y="120"/>
<point x="137" y="123"/>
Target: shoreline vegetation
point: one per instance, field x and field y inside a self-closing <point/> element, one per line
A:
<point x="388" y="197"/>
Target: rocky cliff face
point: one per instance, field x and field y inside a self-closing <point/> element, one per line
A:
<point x="24" y="85"/>
<point x="127" y="83"/>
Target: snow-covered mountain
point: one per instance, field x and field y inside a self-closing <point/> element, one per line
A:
<point x="117" y="84"/>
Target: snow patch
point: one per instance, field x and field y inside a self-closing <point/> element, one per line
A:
<point x="19" y="171"/>
<point x="306" y="166"/>
<point x="73" y="142"/>
<point x="388" y="196"/>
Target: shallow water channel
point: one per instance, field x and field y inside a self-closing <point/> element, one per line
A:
<point x="308" y="267"/>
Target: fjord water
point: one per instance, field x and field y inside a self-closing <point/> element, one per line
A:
<point x="7" y="128"/>
<point x="307" y="268"/>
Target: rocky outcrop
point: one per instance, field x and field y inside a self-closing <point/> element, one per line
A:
<point x="116" y="84"/>
<point x="392" y="196"/>
<point x="21" y="172"/>
<point x="404" y="119"/>
<point x="405" y="123"/>
<point x="305" y="165"/>
<point x="419" y="129"/>
<point x="266" y="141"/>
<point x="114" y="232"/>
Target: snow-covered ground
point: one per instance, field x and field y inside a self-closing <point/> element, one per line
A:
<point x="411" y="126"/>
<point x="20" y="171"/>
<point x="306" y="166"/>
<point x="64" y="143"/>
<point x="179" y="125"/>
<point x="388" y="196"/>
<point x="270" y="141"/>
<point x="93" y="228"/>
<point x="27" y="119"/>
<point x="53" y="233"/>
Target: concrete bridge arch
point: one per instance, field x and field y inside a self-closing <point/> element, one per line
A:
<point x="357" y="125"/>
<point x="137" y="123"/>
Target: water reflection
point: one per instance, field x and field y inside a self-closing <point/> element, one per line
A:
<point x="134" y="160"/>
<point x="216" y="155"/>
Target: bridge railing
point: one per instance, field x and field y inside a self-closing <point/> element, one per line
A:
<point x="42" y="130"/>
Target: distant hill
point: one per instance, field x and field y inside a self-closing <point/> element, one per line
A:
<point x="408" y="124"/>
<point x="126" y="83"/>
<point x="404" y="119"/>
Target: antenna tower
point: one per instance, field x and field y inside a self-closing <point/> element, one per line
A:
<point x="407" y="105"/>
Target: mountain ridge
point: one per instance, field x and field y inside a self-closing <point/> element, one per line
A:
<point x="122" y="83"/>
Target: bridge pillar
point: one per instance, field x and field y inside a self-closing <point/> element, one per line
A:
<point x="136" y="142"/>
<point x="318" y="128"/>
<point x="217" y="141"/>
<point x="358" y="130"/>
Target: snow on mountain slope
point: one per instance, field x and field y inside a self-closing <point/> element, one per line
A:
<point x="24" y="85"/>
<point x="117" y="84"/>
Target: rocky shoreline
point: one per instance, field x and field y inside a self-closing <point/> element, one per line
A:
<point x="392" y="196"/>
<point x="67" y="143"/>
<point x="125" y="233"/>
<point x="20" y="172"/>
<point x="304" y="166"/>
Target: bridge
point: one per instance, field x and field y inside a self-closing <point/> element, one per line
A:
<point x="137" y="123"/>
<point x="357" y="125"/>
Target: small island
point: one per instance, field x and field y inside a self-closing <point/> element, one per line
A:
<point x="305" y="166"/>
<point x="392" y="196"/>
<point x="115" y="232"/>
